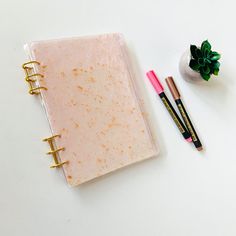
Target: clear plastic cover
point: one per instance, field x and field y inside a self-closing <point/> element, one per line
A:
<point x="92" y="103"/>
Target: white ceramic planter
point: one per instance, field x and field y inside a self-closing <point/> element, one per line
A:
<point x="187" y="73"/>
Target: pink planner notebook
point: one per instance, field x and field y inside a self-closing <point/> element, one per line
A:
<point x="87" y="90"/>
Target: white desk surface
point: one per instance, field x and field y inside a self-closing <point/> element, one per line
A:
<point x="182" y="192"/>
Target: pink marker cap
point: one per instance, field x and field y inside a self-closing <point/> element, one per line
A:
<point x="155" y="81"/>
<point x="189" y="140"/>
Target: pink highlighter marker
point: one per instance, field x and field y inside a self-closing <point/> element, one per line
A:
<point x="160" y="90"/>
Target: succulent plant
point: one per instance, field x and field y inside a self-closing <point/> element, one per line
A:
<point x="204" y="60"/>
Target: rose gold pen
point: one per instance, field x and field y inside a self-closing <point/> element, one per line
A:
<point x="176" y="95"/>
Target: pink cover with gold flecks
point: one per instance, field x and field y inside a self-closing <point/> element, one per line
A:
<point x="91" y="102"/>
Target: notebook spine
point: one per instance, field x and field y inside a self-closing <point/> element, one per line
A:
<point x="54" y="151"/>
<point x="30" y="77"/>
<point x="34" y="89"/>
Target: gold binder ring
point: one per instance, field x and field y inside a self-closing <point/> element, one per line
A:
<point x="29" y="76"/>
<point x="35" y="90"/>
<point x="52" y="137"/>
<point x="24" y="66"/>
<point x="54" y="151"/>
<point x="27" y="79"/>
<point x="58" y="165"/>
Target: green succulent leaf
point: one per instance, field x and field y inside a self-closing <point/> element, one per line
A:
<point x="215" y="56"/>
<point x="201" y="62"/>
<point x="216" y="71"/>
<point x="205" y="76"/>
<point x="194" y="65"/>
<point x="207" y="53"/>
<point x="205" y="46"/>
<point x="198" y="53"/>
<point x="206" y="69"/>
<point x="193" y="49"/>
<point x="216" y="65"/>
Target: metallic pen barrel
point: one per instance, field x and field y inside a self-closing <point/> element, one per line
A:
<point x="189" y="124"/>
<point x="175" y="117"/>
<point x="176" y="95"/>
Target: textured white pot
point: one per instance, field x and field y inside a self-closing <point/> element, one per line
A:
<point x="187" y="73"/>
